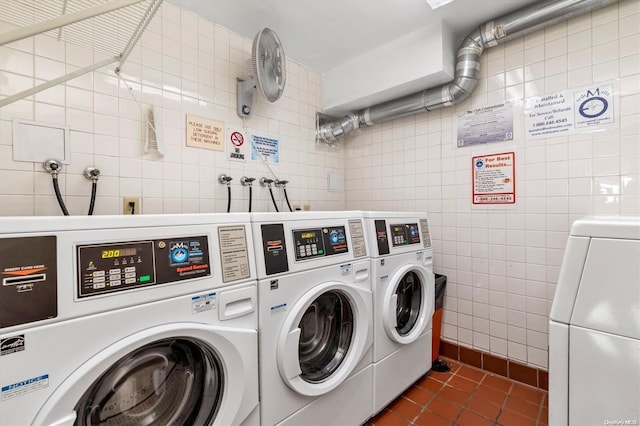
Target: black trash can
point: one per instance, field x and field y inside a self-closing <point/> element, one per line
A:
<point x="438" y="364"/>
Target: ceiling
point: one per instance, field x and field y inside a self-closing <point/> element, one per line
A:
<point x="322" y="34"/>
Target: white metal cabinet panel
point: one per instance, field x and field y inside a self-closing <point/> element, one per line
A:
<point x="558" y="377"/>
<point x="609" y="296"/>
<point x="618" y="227"/>
<point x="569" y="280"/>
<point x="604" y="378"/>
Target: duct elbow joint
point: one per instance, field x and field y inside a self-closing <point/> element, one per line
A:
<point x="331" y="132"/>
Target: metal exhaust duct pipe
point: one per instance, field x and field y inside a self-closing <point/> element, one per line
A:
<point x="508" y="27"/>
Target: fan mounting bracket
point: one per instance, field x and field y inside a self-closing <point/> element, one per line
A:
<point x="246" y="89"/>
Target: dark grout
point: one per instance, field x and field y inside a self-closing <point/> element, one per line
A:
<point x="445" y="379"/>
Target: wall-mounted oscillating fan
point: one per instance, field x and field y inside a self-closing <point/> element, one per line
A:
<point x="268" y="71"/>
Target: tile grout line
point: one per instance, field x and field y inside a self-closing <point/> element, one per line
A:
<point x="435" y="395"/>
<point x="475" y="389"/>
<point x="456" y="372"/>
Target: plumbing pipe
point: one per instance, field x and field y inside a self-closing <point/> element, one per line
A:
<point x="267" y="182"/>
<point x="531" y="18"/>
<point x="248" y="181"/>
<point x="93" y="174"/>
<point x="283" y="184"/>
<point x="53" y="167"/>
<point x="226" y="180"/>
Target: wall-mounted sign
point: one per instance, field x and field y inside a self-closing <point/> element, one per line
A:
<point x="571" y="111"/>
<point x="205" y="133"/>
<point x="492" y="123"/>
<point x="237" y="144"/>
<point x="494" y="179"/>
<point x="265" y="148"/>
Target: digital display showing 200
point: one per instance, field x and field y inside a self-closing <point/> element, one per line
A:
<point x="117" y="252"/>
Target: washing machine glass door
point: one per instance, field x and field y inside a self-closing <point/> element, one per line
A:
<point x="407" y="304"/>
<point x="326" y="329"/>
<point x="174" y="381"/>
<point x="324" y="336"/>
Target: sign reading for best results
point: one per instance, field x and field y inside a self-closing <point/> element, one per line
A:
<point x="205" y="133"/>
<point x="494" y="179"/>
<point x="492" y="123"/>
<point x="265" y="148"/>
<point x="571" y="111"/>
<point x="236" y="145"/>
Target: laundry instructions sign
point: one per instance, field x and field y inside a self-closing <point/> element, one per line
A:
<point x="494" y="179"/>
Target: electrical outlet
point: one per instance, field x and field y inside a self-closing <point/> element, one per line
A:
<point x="131" y="205"/>
<point x="306" y="207"/>
<point x="296" y="207"/>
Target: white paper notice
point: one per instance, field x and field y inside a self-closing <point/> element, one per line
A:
<point x="571" y="111"/>
<point x="494" y="179"/>
<point x="492" y="123"/>
<point x="357" y="238"/>
<point x="233" y="253"/>
<point x="237" y="145"/>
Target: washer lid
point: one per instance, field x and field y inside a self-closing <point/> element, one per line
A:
<point x="608" y="298"/>
<point x="173" y="381"/>
<point x="176" y="373"/>
<point x="408" y="303"/>
<point x="626" y="227"/>
<point x="324" y="336"/>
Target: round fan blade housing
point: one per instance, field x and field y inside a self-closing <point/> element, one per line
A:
<point x="268" y="71"/>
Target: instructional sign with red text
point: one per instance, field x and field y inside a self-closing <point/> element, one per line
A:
<point x="494" y="179"/>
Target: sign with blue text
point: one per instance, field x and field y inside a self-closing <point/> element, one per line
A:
<point x="587" y="109"/>
<point x="265" y="148"/>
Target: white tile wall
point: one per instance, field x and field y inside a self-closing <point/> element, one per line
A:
<point x="502" y="264"/>
<point x="183" y="65"/>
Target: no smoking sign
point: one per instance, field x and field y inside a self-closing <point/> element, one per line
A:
<point x="236" y="148"/>
<point x="237" y="138"/>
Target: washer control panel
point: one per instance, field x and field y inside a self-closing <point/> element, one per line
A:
<point x="113" y="267"/>
<point x="404" y="234"/>
<point x="320" y="242"/>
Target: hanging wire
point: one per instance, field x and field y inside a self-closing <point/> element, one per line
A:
<point x="127" y="84"/>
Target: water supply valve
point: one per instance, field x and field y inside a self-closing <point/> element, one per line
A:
<point x="246" y="181"/>
<point x="266" y="182"/>
<point x="225" y="180"/>
<point x="92" y="173"/>
<point x="52" y="166"/>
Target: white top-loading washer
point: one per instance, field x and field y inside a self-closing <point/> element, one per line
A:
<point x="403" y="299"/>
<point x="314" y="293"/>
<point x="128" y="320"/>
<point x="594" y="327"/>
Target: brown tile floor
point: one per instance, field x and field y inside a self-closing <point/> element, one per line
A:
<point x="466" y="396"/>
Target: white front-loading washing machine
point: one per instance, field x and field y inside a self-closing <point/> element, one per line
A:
<point x="594" y="326"/>
<point x="403" y="301"/>
<point x="314" y="292"/>
<point x="128" y="320"/>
